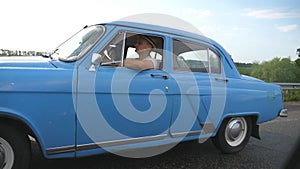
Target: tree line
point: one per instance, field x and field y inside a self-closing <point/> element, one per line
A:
<point x="7" y="52"/>
<point x="276" y="70"/>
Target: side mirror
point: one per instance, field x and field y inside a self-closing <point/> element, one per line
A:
<point x="96" y="59"/>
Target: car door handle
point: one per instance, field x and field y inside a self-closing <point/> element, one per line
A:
<point x="222" y="79"/>
<point x="160" y="75"/>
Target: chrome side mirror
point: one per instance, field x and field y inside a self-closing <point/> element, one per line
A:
<point x="96" y="59"/>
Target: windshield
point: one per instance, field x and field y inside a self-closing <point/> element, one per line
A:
<point x="74" y="47"/>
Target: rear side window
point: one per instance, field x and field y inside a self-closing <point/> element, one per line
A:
<point x="191" y="57"/>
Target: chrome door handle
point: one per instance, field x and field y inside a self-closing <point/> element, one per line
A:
<point x="222" y="79"/>
<point x="160" y="75"/>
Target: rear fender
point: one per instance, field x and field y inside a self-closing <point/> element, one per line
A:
<point x="254" y="116"/>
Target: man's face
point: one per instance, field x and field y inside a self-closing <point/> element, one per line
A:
<point x="142" y="45"/>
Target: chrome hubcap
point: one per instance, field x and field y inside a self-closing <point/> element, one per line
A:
<point x="6" y="155"/>
<point x="236" y="131"/>
<point x="2" y="156"/>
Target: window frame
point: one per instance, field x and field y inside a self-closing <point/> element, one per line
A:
<point x="208" y="50"/>
<point x="124" y="33"/>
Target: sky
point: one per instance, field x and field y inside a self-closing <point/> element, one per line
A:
<point x="249" y="30"/>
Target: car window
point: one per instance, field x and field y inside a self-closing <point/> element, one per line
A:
<point x="78" y="44"/>
<point x="113" y="51"/>
<point x="190" y="57"/>
<point x="215" y="62"/>
<point x="122" y="47"/>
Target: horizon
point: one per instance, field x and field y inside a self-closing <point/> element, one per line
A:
<point x="35" y="53"/>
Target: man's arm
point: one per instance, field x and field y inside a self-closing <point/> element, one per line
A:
<point x="139" y="64"/>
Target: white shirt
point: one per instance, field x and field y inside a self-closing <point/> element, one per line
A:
<point x="154" y="61"/>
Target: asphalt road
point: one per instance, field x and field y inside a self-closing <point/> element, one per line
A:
<point x="278" y="140"/>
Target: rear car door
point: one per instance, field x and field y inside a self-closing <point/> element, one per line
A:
<point x="197" y="70"/>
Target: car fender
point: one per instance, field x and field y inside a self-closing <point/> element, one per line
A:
<point x="240" y="114"/>
<point x="6" y="113"/>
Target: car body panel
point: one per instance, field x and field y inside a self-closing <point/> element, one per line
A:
<point x="74" y="111"/>
<point x="39" y="94"/>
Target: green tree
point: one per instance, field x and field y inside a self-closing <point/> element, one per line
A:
<point x="244" y="68"/>
<point x="277" y="70"/>
<point x="297" y="61"/>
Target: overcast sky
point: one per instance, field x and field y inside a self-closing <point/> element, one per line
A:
<point x="250" y="31"/>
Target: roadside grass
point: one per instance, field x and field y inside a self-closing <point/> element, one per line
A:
<point x="291" y="95"/>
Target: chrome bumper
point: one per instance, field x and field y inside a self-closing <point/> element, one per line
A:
<point x="283" y="113"/>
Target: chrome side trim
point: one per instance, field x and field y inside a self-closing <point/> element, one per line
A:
<point x="59" y="150"/>
<point x="184" y="134"/>
<point x="68" y="149"/>
<point x="206" y="128"/>
<point x="120" y="142"/>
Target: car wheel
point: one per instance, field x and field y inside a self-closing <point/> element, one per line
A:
<point x="15" y="149"/>
<point x="233" y="135"/>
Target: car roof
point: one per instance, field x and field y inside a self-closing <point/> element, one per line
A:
<point x="162" y="29"/>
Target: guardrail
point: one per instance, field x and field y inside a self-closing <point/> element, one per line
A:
<point x="289" y="86"/>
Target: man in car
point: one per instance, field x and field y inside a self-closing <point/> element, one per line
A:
<point x="143" y="47"/>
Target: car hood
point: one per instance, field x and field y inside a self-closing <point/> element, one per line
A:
<point x="25" y="62"/>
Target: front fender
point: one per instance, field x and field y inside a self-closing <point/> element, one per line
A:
<point x="18" y="117"/>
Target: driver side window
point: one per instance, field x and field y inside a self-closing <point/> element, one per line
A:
<point x="123" y="47"/>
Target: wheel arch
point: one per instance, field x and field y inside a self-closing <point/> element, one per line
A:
<point x="21" y="124"/>
<point x="254" y="119"/>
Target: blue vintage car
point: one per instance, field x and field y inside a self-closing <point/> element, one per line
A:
<point x="84" y="99"/>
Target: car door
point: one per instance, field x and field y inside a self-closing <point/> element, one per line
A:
<point x="118" y="106"/>
<point x="197" y="70"/>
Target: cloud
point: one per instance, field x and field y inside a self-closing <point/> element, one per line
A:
<point x="199" y="13"/>
<point x="205" y="13"/>
<point x="287" y="28"/>
<point x="273" y="14"/>
<point x="239" y="28"/>
<point x="191" y="11"/>
<point x="208" y="29"/>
